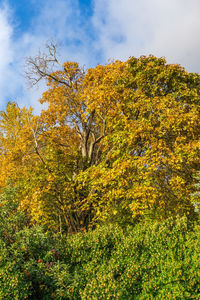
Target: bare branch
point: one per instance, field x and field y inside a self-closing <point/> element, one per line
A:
<point x="42" y="66"/>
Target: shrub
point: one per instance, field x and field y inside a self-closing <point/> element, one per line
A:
<point x="149" y="261"/>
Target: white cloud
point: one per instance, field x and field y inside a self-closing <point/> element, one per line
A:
<point x="59" y="21"/>
<point x="5" y="38"/>
<point x="56" y="20"/>
<point x="6" y="51"/>
<point x="118" y="29"/>
<point x="168" y="28"/>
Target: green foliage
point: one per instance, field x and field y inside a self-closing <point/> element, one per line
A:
<point x="12" y="283"/>
<point x="154" y="261"/>
<point x="11" y="218"/>
<point x="148" y="261"/>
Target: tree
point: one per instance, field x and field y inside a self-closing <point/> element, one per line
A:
<point x="73" y="129"/>
<point x="116" y="142"/>
<point x="16" y="141"/>
<point x="153" y="148"/>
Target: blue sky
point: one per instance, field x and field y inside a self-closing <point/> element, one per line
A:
<point x="91" y="32"/>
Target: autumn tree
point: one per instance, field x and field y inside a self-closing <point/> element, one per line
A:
<point x="68" y="104"/>
<point x="38" y="170"/>
<point x="15" y="141"/>
<point x="73" y="128"/>
<point x="116" y="142"/>
<point x="153" y="149"/>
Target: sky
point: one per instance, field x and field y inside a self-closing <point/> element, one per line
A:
<point x="91" y="32"/>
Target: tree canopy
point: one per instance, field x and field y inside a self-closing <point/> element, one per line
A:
<point x="116" y="143"/>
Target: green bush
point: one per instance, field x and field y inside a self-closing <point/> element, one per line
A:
<point x="148" y="261"/>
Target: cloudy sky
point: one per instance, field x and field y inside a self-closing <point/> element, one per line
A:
<point x="91" y="32"/>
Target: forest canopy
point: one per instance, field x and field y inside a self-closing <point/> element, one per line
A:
<point x="116" y="143"/>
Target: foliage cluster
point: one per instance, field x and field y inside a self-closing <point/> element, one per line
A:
<point x="115" y="143"/>
<point x="148" y="261"/>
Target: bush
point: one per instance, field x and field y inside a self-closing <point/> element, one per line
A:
<point x="148" y="261"/>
